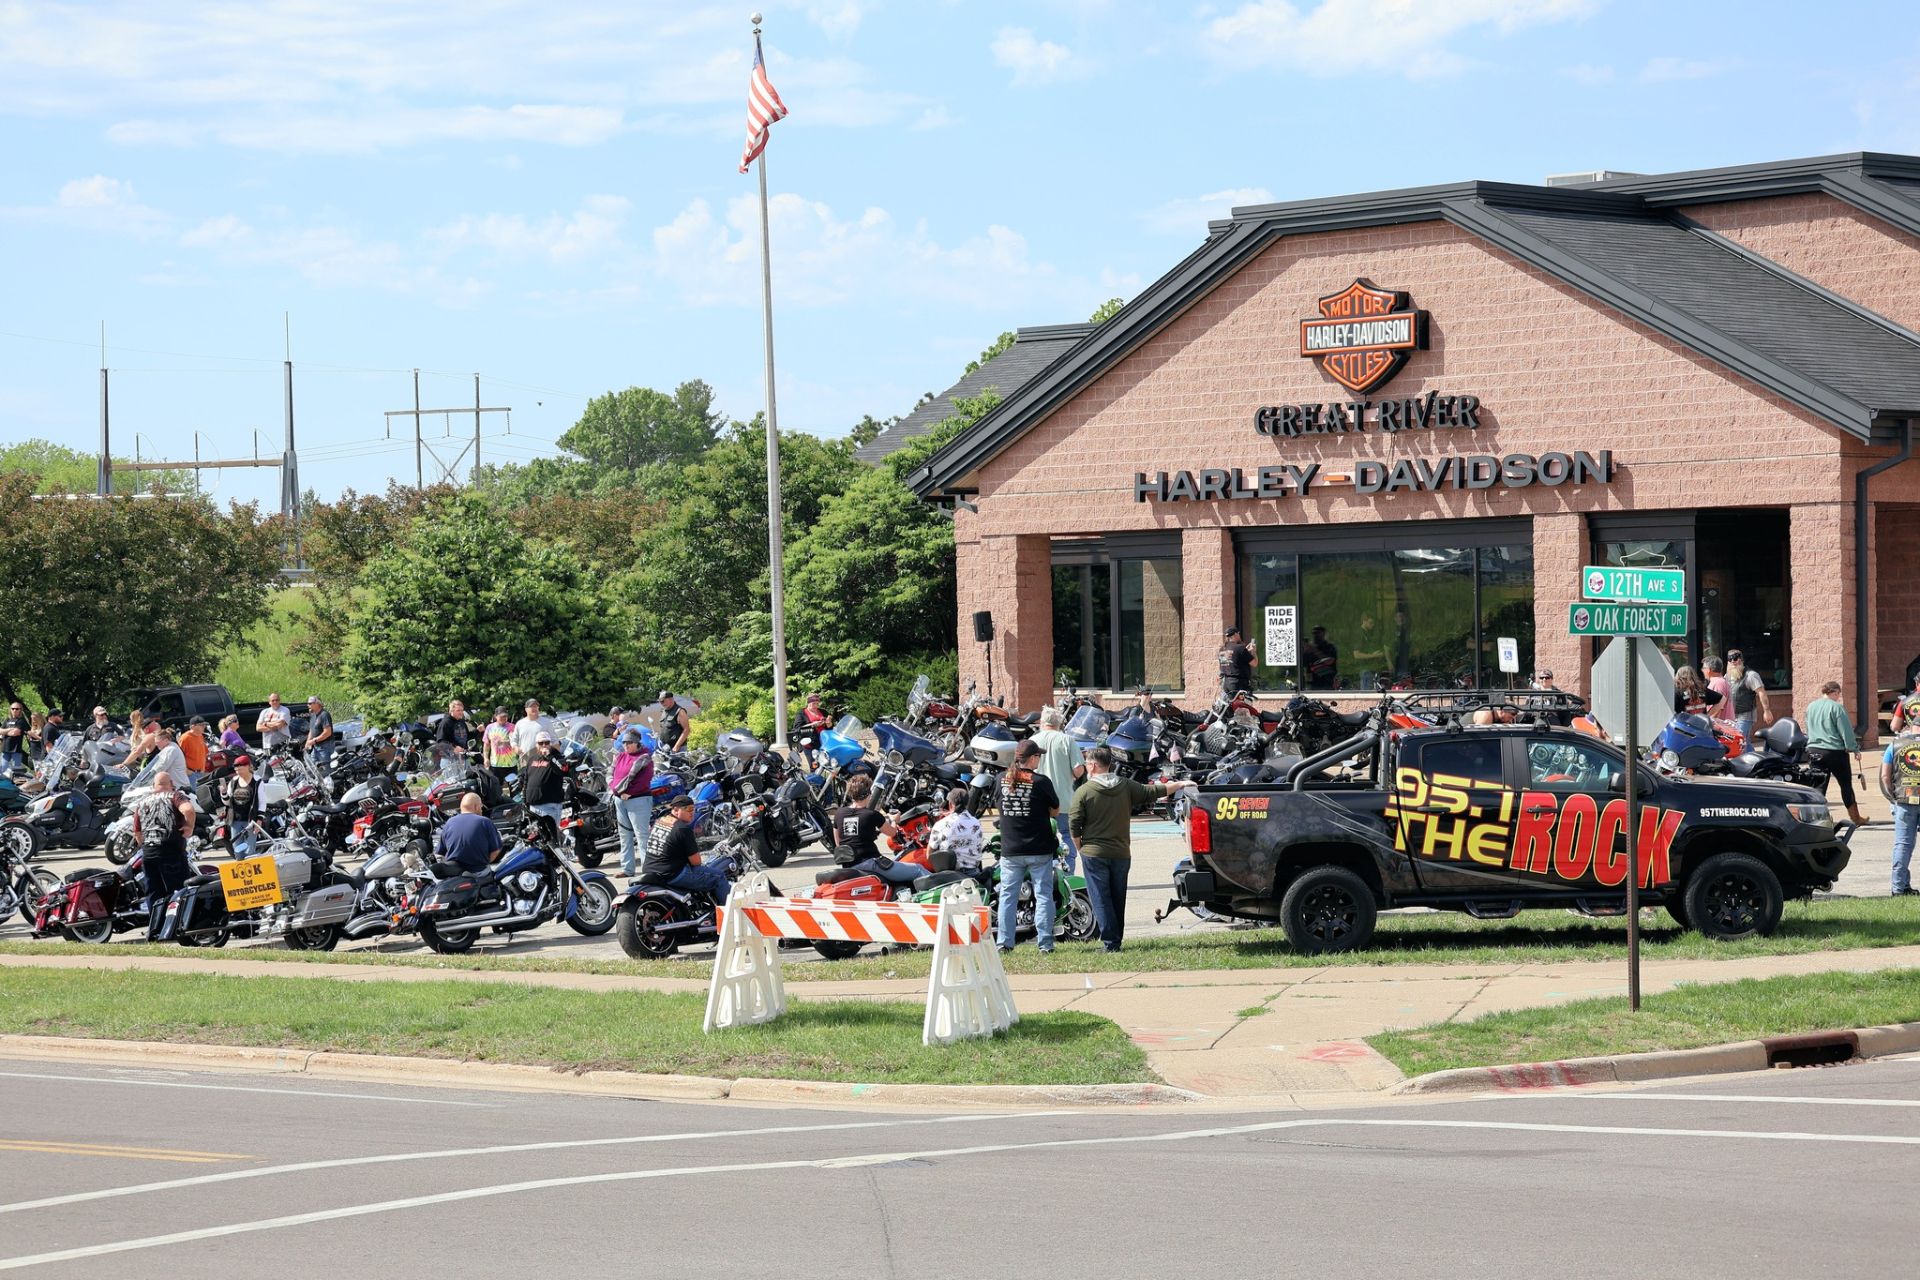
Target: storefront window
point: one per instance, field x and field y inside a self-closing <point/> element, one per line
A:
<point x="1117" y="617"/>
<point x="1742" y="590"/>
<point x="1656" y="552"/>
<point x="1407" y="616"/>
<point x="1150" y="628"/>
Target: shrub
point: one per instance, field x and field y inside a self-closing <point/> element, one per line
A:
<point x="884" y="693"/>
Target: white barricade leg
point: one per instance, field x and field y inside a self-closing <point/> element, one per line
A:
<point x="746" y="987"/>
<point x="967" y="993"/>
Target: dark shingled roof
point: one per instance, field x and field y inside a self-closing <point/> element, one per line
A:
<point x="1033" y="349"/>
<point x="1622" y="242"/>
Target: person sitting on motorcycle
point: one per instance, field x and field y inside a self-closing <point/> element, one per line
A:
<point x="954" y="842"/>
<point x="857" y="829"/>
<point x="1691" y="696"/>
<point x="469" y="840"/>
<point x="674" y="859"/>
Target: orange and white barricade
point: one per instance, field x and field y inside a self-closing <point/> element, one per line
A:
<point x="967" y="993"/>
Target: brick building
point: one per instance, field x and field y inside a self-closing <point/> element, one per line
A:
<point x="1400" y="422"/>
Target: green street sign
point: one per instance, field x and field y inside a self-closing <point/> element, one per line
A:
<point x="1640" y="586"/>
<point x="1627" y="619"/>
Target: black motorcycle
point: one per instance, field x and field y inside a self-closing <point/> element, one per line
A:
<point x="22" y="885"/>
<point x="655" y="920"/>
<point x="530" y="885"/>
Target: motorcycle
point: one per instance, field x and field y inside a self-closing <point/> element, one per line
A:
<point x="530" y="885"/>
<point x="94" y="903"/>
<point x="840" y="756"/>
<point x="656" y="920"/>
<point x="74" y="811"/>
<point x="931" y="717"/>
<point x="1698" y="744"/>
<point x="315" y="901"/>
<point x="915" y="769"/>
<point x="990" y="755"/>
<point x="1779" y="752"/>
<point x="22" y="885"/>
<point x="387" y="887"/>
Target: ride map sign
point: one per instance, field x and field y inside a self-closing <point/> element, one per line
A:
<point x="1637" y="586"/>
<point x="1283" y="635"/>
<point x="1599" y="619"/>
<point x="250" y="883"/>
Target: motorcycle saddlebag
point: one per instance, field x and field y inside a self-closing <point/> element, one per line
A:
<point x="460" y="893"/>
<point x="330" y="905"/>
<point x="198" y="908"/>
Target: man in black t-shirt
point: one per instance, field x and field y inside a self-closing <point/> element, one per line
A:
<point x="1029" y="843"/>
<point x="857" y="828"/>
<point x="1236" y="664"/>
<point x="455" y="733"/>
<point x="674" y="859"/>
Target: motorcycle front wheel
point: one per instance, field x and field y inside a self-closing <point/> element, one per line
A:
<point x="41" y="882"/>
<point x="448" y="942"/>
<point x="323" y="937"/>
<point x="120" y="848"/>
<point x="642" y="932"/>
<point x="593" y="914"/>
<point x="23" y="840"/>
<point x="1077" y="923"/>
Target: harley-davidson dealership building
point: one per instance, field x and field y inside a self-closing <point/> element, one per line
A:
<point x="1382" y="433"/>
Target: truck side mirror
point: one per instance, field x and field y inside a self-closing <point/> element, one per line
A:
<point x="1617" y="782"/>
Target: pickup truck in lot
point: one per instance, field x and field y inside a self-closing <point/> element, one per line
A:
<point x="178" y="705"/>
<point x="1492" y="820"/>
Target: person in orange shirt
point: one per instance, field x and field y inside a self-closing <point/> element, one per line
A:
<point x="193" y="745"/>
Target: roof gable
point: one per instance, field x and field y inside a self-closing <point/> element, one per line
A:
<point x="1033" y="349"/>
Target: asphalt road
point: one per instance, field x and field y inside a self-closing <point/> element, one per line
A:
<point x="109" y="1172"/>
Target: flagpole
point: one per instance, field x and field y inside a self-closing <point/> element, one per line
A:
<point x="775" y="538"/>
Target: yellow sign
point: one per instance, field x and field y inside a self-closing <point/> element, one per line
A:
<point x="253" y="882"/>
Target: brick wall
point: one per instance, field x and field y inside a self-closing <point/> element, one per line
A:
<point x="1821" y="558"/>
<point x="1832" y="244"/>
<point x="1555" y="371"/>
<point x="1559" y="551"/>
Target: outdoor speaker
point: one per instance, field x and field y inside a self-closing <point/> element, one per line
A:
<point x="983" y="626"/>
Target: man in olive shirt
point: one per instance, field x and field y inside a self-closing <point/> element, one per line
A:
<point x="1102" y="819"/>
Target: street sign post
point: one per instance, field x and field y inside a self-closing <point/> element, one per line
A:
<point x="1641" y="586"/>
<point x="1619" y="619"/>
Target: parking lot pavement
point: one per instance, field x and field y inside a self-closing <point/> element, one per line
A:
<point x="1781" y="1174"/>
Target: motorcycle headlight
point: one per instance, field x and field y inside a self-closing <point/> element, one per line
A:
<point x="1817" y="815"/>
<point x="41" y="805"/>
<point x="528" y="881"/>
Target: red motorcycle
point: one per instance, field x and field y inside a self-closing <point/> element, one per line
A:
<point x="908" y="844"/>
<point x="93" y="904"/>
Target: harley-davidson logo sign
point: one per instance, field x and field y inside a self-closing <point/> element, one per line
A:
<point x="1363" y="335"/>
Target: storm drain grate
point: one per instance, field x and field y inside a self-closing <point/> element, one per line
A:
<point x="1812" y="1049"/>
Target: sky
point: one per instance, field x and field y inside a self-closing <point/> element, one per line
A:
<point x="547" y="194"/>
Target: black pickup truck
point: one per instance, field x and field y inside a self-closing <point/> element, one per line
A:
<point x="1493" y="820"/>
<point x="178" y="705"/>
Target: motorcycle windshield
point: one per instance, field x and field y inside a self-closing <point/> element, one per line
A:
<point x="1089" y="723"/>
<point x="918" y="697"/>
<point x="893" y="738"/>
<point x="850" y="727"/>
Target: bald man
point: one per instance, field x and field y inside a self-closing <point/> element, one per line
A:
<point x="470" y="840"/>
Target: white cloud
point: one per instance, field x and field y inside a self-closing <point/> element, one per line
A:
<point x="1588" y="75"/>
<point x="589" y="232"/>
<point x="297" y="76"/>
<point x="1663" y="70"/>
<point x="1032" y="60"/>
<point x="98" y="204"/>
<point x="1340" y="37"/>
<point x="821" y="259"/>
<point x="933" y="118"/>
<point x="1189" y="216"/>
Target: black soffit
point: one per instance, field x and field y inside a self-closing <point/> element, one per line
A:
<point x="1620" y="242"/>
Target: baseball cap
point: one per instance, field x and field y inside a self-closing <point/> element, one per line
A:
<point x="99" y="711"/>
<point x="1543" y="674"/>
<point x="242" y="759"/>
<point x="313" y="697"/>
<point x="682" y="801"/>
<point x="542" y="736"/>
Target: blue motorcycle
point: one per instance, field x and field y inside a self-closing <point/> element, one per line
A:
<point x="530" y="885"/>
<point x="914" y="770"/>
<point x="838" y="756"/>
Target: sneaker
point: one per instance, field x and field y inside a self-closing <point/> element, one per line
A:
<point x="1908" y="892"/>
<point x="1006" y="951"/>
<point x="1046" y="951"/>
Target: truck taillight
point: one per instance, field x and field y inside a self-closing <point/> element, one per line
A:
<point x="1199" y="831"/>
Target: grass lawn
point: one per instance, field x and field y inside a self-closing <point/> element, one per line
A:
<point x="505" y="1022"/>
<point x="1684" y="1018"/>
<point x="273" y="669"/>
<point x="1533" y="937"/>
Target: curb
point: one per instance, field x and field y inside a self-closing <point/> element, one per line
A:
<point x="1665" y="1064"/>
<point x="456" y="1074"/>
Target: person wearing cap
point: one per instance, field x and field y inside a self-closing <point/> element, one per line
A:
<point x="320" y="741"/>
<point x="55" y="725"/>
<point x="102" y="726"/>
<point x="543" y="781"/>
<point x="1236" y="664"/>
<point x="814" y="721"/>
<point x="1751" y="710"/>
<point x="629" y="789"/>
<point x="241" y="795"/>
<point x="193" y="746"/>
<point x="673" y="722"/>
<point x="673" y="855"/>
<point x="529" y="727"/>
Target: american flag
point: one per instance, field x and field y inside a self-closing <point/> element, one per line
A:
<point x="763" y="108"/>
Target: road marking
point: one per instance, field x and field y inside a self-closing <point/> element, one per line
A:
<point x="890" y="1157"/>
<point x="1734" y="1097"/>
<point x="237" y="1088"/>
<point x="55" y="1147"/>
<point x="308" y="1166"/>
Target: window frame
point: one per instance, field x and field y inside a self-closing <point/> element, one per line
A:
<point x="1104" y="554"/>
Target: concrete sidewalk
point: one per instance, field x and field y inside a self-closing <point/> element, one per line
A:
<point x="1280" y="1035"/>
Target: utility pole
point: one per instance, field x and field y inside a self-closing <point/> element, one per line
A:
<point x="476" y="424"/>
<point x="422" y="450"/>
<point x="419" y="472"/>
<point x="103" y="484"/>
<point x="289" y="463"/>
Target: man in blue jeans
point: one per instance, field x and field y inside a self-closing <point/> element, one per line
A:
<point x="674" y="858"/>
<point x="1900" y="775"/>
<point x="1028" y="845"/>
<point x="1102" y="816"/>
<point x="629" y="784"/>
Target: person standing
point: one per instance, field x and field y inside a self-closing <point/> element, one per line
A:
<point x="274" y="725"/>
<point x="1322" y="661"/>
<point x="673" y="855"/>
<point x="674" y="725"/>
<point x="1102" y="816"/>
<point x="1236" y="664"/>
<point x="161" y="820"/>
<point x="320" y="740"/>
<point x="242" y="797"/>
<point x="13" y="737"/>
<point x="1750" y="705"/>
<point x="629" y="790"/>
<point x="543" y="782"/>
<point x="454" y="736"/>
<point x="1029" y="842"/>
<point x="1831" y="743"/>
<point x="166" y="757"/>
<point x="1060" y="760"/>
<point x="1900" y="775"/>
<point x="528" y="728"/>
<point x="193" y="746"/>
<point x="470" y="840"/>
<point x="1691" y="697"/>
<point x="1715" y="671"/>
<point x="37" y="739"/>
<point x="230" y="740"/>
<point x="502" y="755"/>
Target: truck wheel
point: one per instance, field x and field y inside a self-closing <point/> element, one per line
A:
<point x="1328" y="909"/>
<point x="1734" y="896"/>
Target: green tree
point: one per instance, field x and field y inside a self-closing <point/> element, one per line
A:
<point x="466" y="605"/>
<point x="1106" y="310"/>
<point x="633" y="428"/>
<point x="58" y="469"/>
<point x="994" y="348"/>
<point x="337" y="540"/>
<point x="104" y="595"/>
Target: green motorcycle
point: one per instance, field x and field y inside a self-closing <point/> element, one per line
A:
<point x="1072" y="907"/>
